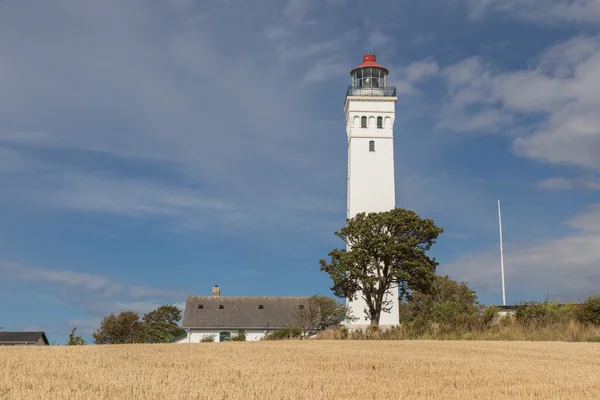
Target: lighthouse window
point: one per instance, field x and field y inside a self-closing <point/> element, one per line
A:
<point x="371" y="145"/>
<point x="363" y="122"/>
<point x="380" y="122"/>
<point x="369" y="78"/>
<point x="358" y="79"/>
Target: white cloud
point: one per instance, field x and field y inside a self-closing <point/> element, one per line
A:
<point x="275" y="33"/>
<point x="378" y="39"/>
<point x="589" y="221"/>
<point x="133" y="197"/>
<point x="149" y="292"/>
<point x="95" y="294"/>
<point x="549" y="11"/>
<point x="565" y="268"/>
<point x="560" y="183"/>
<point x="560" y="92"/>
<point x="134" y="98"/>
<point x="297" y="11"/>
<point x="469" y="87"/>
<point x="405" y="78"/>
<point x="419" y="71"/>
<point x="12" y="161"/>
<point x="423" y="38"/>
<point x="327" y="68"/>
<point x="591" y="185"/>
<point x="141" y="307"/>
<point x="331" y="47"/>
<point x="98" y="284"/>
<point x="555" y="184"/>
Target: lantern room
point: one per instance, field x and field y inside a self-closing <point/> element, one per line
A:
<point x="369" y="78"/>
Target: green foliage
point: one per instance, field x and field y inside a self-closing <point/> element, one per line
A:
<point x="386" y="249"/>
<point x="589" y="313"/>
<point x="240" y="337"/>
<point x="161" y="324"/>
<point x="208" y="338"/>
<point x="157" y="326"/>
<point x="489" y="314"/>
<point x="75" y="340"/>
<point x="467" y="320"/>
<point x="125" y="327"/>
<point x="285" y="333"/>
<point x="448" y="304"/>
<point x="536" y="314"/>
<point x="319" y="312"/>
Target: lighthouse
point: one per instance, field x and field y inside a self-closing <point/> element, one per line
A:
<point x="370" y="110"/>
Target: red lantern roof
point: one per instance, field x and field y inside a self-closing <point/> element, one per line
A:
<point x="369" y="60"/>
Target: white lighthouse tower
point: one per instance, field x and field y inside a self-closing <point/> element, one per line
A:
<point x="370" y="111"/>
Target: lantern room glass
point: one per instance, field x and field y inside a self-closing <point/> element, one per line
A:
<point x="369" y="78"/>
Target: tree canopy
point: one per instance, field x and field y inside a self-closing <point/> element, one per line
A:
<point x="157" y="326"/>
<point x="161" y="324"/>
<point x="449" y="303"/>
<point x="123" y="328"/>
<point x="320" y="312"/>
<point x="384" y="250"/>
<point x="75" y="340"/>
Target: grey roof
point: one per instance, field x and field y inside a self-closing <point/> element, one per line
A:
<point x="241" y="312"/>
<point x="22" y="337"/>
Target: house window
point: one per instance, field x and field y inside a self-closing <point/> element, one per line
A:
<point x="371" y="145"/>
<point x="363" y="122"/>
<point x="221" y="306"/>
<point x="224" y="336"/>
<point x="260" y="307"/>
<point x="200" y="306"/>
<point x="379" y="122"/>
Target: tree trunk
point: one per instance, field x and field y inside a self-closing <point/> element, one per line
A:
<point x="375" y="319"/>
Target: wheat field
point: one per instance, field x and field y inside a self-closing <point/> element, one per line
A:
<point x="304" y="370"/>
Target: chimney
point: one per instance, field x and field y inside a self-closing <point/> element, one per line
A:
<point x="216" y="290"/>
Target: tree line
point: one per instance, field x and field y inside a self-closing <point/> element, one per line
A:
<point x="157" y="326"/>
<point x="383" y="250"/>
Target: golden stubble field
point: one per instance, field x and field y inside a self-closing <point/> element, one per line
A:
<point x="304" y="370"/>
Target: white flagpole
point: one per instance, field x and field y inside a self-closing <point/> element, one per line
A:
<point x="501" y="255"/>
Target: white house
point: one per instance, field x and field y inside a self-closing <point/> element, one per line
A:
<point x="224" y="316"/>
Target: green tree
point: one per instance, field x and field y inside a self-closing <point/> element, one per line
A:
<point x="320" y="312"/>
<point x="385" y="249"/>
<point x="161" y="324"/>
<point x="589" y="311"/>
<point x="125" y="327"/>
<point x="75" y="340"/>
<point x="449" y="302"/>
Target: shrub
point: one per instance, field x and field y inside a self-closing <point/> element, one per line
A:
<point x="208" y="338"/>
<point x="537" y="315"/>
<point x="452" y="306"/>
<point x="489" y="315"/>
<point x="285" y="333"/>
<point x="333" y="334"/>
<point x="589" y="312"/>
<point x="240" y="337"/>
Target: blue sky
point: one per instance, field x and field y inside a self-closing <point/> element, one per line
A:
<point x="152" y="149"/>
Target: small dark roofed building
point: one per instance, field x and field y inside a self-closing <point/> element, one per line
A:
<point x="224" y="316"/>
<point x="23" y="339"/>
